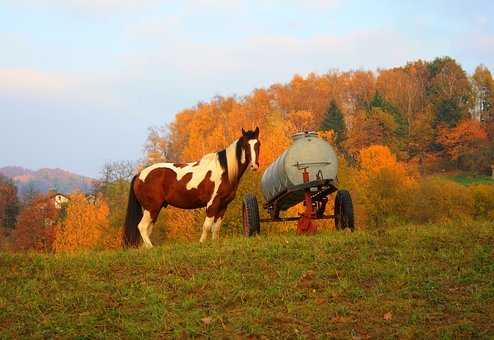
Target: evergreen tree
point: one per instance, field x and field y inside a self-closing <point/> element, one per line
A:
<point x="333" y="120"/>
<point x="378" y="101"/>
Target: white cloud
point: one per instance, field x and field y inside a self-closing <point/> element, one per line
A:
<point x="173" y="67"/>
<point x="200" y="70"/>
<point x="89" y="6"/>
<point x="318" y="3"/>
<point x="30" y="81"/>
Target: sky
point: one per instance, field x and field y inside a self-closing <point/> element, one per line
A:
<point x="81" y="81"/>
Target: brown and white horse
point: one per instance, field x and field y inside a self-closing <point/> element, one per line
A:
<point x="210" y="182"/>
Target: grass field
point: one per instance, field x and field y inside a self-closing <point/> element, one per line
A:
<point x="407" y="282"/>
<point x="469" y="180"/>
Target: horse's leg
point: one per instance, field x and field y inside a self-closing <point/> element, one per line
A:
<point x="145" y="227"/>
<point x="208" y="222"/>
<point x="216" y="228"/>
<point x="217" y="224"/>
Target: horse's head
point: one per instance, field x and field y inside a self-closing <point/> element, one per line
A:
<point x="252" y="147"/>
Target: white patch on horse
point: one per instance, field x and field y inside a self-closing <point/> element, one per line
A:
<point x="145" y="228"/>
<point x="206" y="227"/>
<point x="231" y="162"/>
<point x="198" y="171"/>
<point x="215" y="230"/>
<point x="253" y="155"/>
<point x="242" y="159"/>
<point x="209" y="162"/>
<point x="216" y="174"/>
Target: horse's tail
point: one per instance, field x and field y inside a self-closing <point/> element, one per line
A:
<point x="131" y="237"/>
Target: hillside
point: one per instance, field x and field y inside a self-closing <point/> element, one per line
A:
<point x="43" y="180"/>
<point x="407" y="282"/>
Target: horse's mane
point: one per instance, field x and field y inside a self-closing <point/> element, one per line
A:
<point x="232" y="161"/>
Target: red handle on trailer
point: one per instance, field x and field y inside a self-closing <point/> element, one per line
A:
<point x="305" y="225"/>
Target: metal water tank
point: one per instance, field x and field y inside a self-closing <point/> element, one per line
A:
<point x="307" y="151"/>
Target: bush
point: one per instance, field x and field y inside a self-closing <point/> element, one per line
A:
<point x="380" y="186"/>
<point x="86" y="226"/>
<point x="483" y="197"/>
<point x="436" y="199"/>
<point x="34" y="229"/>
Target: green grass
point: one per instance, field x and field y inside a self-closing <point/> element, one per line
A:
<point x="469" y="180"/>
<point x="408" y="282"/>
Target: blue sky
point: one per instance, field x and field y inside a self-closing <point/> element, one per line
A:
<point x="82" y="80"/>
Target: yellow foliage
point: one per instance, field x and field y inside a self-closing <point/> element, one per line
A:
<point x="276" y="141"/>
<point x="328" y="136"/>
<point x="381" y="185"/>
<point x="377" y="158"/>
<point x="436" y="200"/>
<point x="178" y="224"/>
<point x="85" y="226"/>
<point x="483" y="196"/>
<point x="302" y="120"/>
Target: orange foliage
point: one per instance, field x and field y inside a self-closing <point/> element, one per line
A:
<point x="377" y="157"/>
<point x="300" y="104"/>
<point x="8" y="199"/>
<point x="381" y="184"/>
<point x="302" y="121"/>
<point x="34" y="228"/>
<point x="274" y="139"/>
<point x="377" y="127"/>
<point x="85" y="225"/>
<point x="463" y="139"/>
<point x="328" y="136"/>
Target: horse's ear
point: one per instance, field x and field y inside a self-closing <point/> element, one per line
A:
<point x="243" y="132"/>
<point x="256" y="132"/>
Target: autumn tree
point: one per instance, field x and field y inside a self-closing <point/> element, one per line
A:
<point x="483" y="89"/>
<point x="156" y="146"/>
<point x="405" y="87"/>
<point x="276" y="140"/>
<point x="382" y="184"/>
<point x="84" y="227"/>
<point x="9" y="203"/>
<point x="34" y="229"/>
<point x="379" y="102"/>
<point x="449" y="91"/>
<point x="302" y="121"/>
<point x="374" y="127"/>
<point x="465" y="143"/>
<point x="421" y="139"/>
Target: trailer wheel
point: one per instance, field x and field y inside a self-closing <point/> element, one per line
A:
<point x="343" y="211"/>
<point x="250" y="215"/>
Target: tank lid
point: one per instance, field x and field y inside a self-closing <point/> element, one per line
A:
<point x="305" y="134"/>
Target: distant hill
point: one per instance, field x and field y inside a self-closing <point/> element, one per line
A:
<point x="43" y="180"/>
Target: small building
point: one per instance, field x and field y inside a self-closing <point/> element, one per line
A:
<point x="58" y="199"/>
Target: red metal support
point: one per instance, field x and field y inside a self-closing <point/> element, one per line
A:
<point x="305" y="224"/>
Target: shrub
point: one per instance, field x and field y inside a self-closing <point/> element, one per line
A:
<point x="436" y="199"/>
<point x="483" y="197"/>
<point x="34" y="229"/>
<point x="380" y="185"/>
<point x="86" y="225"/>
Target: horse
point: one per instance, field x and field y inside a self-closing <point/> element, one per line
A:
<point x="210" y="182"/>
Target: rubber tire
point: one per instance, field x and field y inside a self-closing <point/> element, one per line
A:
<point x="343" y="211"/>
<point x="250" y="215"/>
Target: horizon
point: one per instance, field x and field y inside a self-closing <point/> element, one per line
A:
<point x="100" y="73"/>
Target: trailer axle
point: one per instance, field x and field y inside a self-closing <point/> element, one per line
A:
<point x="288" y="219"/>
